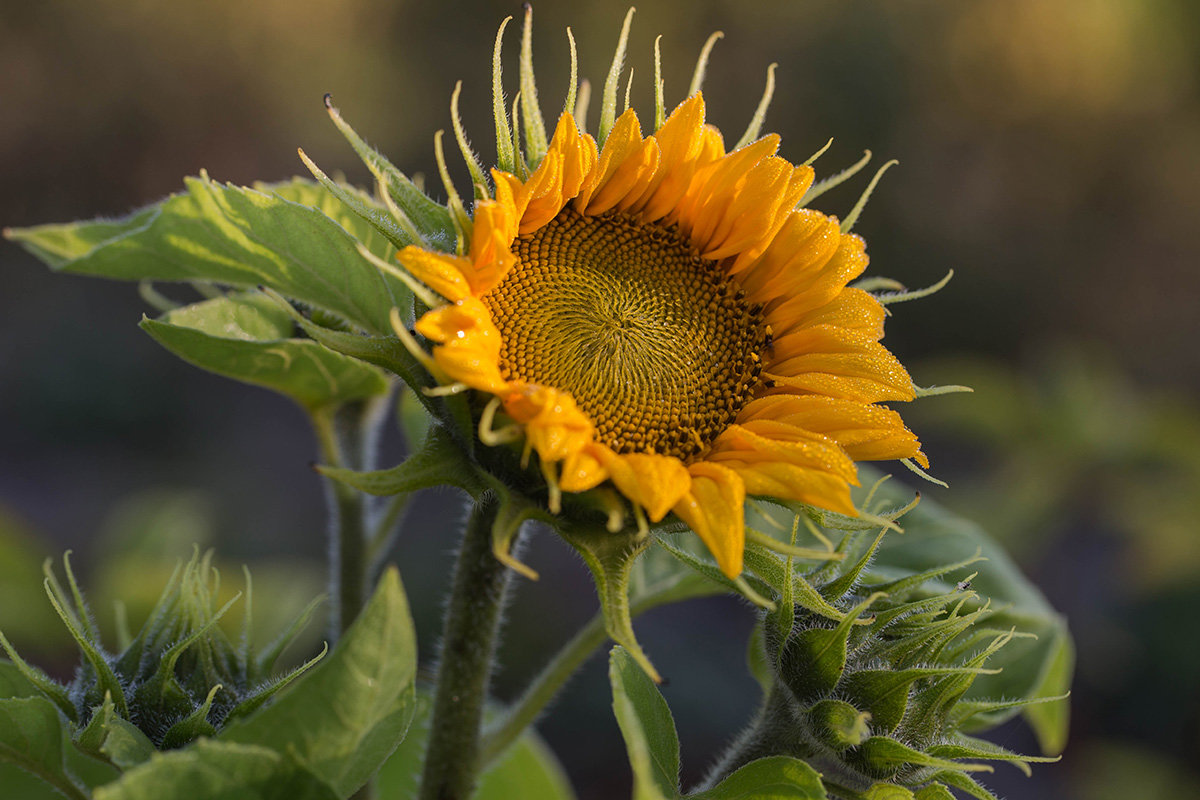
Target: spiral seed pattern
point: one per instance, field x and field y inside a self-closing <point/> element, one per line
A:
<point x="657" y="345"/>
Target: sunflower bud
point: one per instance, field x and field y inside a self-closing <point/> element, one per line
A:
<point x="875" y="698"/>
<point x="179" y="678"/>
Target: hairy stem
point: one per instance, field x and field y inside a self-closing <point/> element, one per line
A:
<point x="452" y="760"/>
<point x="341" y="446"/>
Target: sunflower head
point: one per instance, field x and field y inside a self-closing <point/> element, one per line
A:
<point x="658" y="313"/>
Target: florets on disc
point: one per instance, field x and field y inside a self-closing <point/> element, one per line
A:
<point x="657" y="345"/>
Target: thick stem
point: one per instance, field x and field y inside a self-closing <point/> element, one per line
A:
<point x="468" y="645"/>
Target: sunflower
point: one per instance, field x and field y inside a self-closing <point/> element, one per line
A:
<point x="663" y="314"/>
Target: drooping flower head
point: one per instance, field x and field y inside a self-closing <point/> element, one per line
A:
<point x="661" y="312"/>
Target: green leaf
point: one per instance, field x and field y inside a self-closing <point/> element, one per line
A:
<point x="439" y="461"/>
<point x="32" y="737"/>
<point x="1031" y="668"/>
<point x="648" y="728"/>
<point x="13" y="683"/>
<point x="20" y="785"/>
<point x="293" y="237"/>
<point x="213" y="770"/>
<point x="125" y="745"/>
<point x="527" y="770"/>
<point x="346" y="716"/>
<point x="247" y="337"/>
<point x="611" y="557"/>
<point x="771" y="778"/>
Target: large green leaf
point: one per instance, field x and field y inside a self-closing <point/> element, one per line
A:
<point x="527" y="770"/>
<point x="648" y="728"/>
<point x="1032" y="668"/>
<point x="247" y="337"/>
<point x="345" y="717"/>
<point x="211" y="770"/>
<point x="13" y="683"/>
<point x="32" y="738"/>
<point x="293" y="237"/>
<point x="772" y="778"/>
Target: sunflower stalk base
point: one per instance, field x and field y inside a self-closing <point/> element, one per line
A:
<point x="473" y="617"/>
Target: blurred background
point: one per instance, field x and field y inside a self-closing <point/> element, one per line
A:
<point x="1049" y="154"/>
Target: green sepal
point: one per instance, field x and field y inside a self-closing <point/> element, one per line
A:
<point x="438" y="462"/>
<point x="345" y="717"/>
<point x="216" y="770"/>
<point x="771" y="778"/>
<point x="247" y="337"/>
<point x="431" y="219"/>
<point x="260" y="696"/>
<point x="934" y="791"/>
<point x="28" y="676"/>
<point x="294" y="237"/>
<point x="371" y="213"/>
<point x="91" y="737"/>
<point x="884" y="692"/>
<point x="647" y="727"/>
<point x="961" y="746"/>
<point x="811" y="661"/>
<point x="610" y="557"/>
<point x="513" y="512"/>
<point x="106" y="679"/>
<point x="773" y="570"/>
<point x="262" y="664"/>
<point x="113" y="739"/>
<point x="193" y="726"/>
<point x="839" y="725"/>
<point x="887" y="791"/>
<point x="757" y="660"/>
<point x="846" y="581"/>
<point x="883" y="757"/>
<point x="965" y="782"/>
<point x="758" y="588"/>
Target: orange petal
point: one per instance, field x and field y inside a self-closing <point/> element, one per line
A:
<point x="714" y="508"/>
<point x="654" y="482"/>
<point x="490" y="246"/>
<point x="824" y="359"/>
<point x="770" y="440"/>
<point x="818" y="287"/>
<point x="581" y="472"/>
<point x="865" y="432"/>
<point x="469" y="343"/>
<point x="790" y="482"/>
<point x="805" y="243"/>
<point x="623" y="140"/>
<point x="554" y="425"/>
<point x="445" y="274"/>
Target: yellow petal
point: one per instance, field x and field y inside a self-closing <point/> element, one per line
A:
<point x="865" y="432"/>
<point x="771" y="440"/>
<point x="652" y="481"/>
<point x="469" y="343"/>
<point x="819" y="286"/>
<point x="445" y="274"/>
<point x="790" y="482"/>
<point x="837" y="362"/>
<point x="713" y="507"/>
<point x="805" y="243"/>
<point x="623" y="140"/>
<point x="554" y="425"/>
